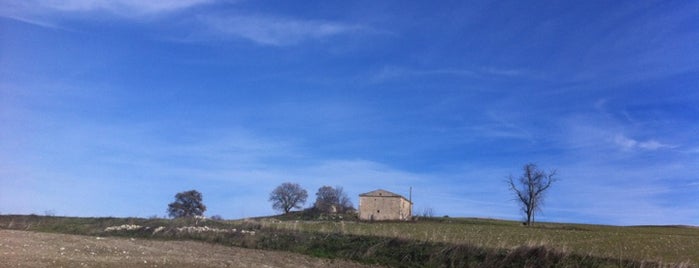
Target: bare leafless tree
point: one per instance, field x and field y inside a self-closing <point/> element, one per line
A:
<point x="427" y="212"/>
<point x="530" y="188"/>
<point x="332" y="200"/>
<point x="288" y="196"/>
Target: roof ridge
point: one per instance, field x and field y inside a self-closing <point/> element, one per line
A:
<point x="389" y="193"/>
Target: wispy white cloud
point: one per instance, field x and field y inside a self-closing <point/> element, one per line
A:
<point x="259" y="28"/>
<point x="391" y="72"/>
<point x="504" y="125"/>
<point x="275" y="31"/>
<point x="396" y="72"/>
<point x="626" y="143"/>
<point x="119" y="7"/>
<point x="503" y="72"/>
<point x="598" y="133"/>
<point x="53" y="13"/>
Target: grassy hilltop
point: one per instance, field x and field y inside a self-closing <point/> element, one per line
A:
<point x="452" y="242"/>
<point x="660" y="243"/>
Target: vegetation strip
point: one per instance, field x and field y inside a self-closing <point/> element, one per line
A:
<point x="394" y="252"/>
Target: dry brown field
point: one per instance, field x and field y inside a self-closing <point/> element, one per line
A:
<point x="33" y="249"/>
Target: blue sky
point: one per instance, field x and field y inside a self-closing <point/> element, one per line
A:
<point x="109" y="108"/>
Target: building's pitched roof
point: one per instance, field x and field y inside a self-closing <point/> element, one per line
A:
<point x="382" y="193"/>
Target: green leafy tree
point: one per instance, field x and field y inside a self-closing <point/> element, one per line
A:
<point x="187" y="204"/>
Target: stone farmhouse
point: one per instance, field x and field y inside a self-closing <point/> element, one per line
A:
<point x="382" y="205"/>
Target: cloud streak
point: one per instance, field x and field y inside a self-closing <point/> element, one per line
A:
<point x="119" y="7"/>
<point x="275" y="31"/>
<point x="53" y="13"/>
<point x="631" y="144"/>
<point x="261" y="29"/>
<point x="388" y="73"/>
<point x="601" y="133"/>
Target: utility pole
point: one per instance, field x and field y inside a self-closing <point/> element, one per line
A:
<point x="410" y="199"/>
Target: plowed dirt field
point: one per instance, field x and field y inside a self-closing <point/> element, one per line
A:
<point x="32" y="249"/>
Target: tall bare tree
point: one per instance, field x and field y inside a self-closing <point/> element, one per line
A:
<point x="287" y="196"/>
<point x="530" y="188"/>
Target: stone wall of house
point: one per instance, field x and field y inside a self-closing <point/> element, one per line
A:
<point x="380" y="208"/>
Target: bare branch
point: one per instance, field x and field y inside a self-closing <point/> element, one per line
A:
<point x="287" y="196"/>
<point x="532" y="185"/>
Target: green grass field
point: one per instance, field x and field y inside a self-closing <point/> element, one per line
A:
<point x="674" y="244"/>
<point x="434" y="242"/>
